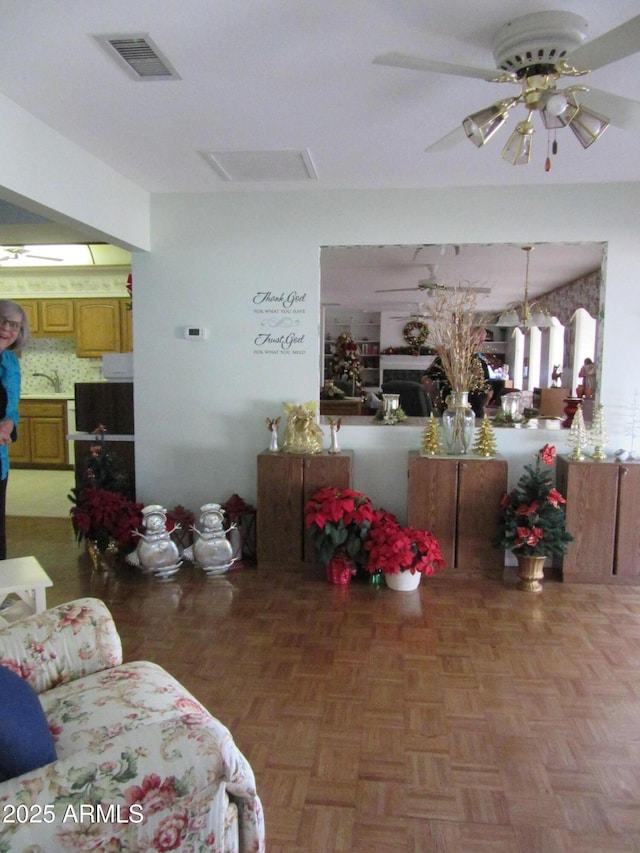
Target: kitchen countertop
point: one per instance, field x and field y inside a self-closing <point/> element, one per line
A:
<point x="52" y="395"/>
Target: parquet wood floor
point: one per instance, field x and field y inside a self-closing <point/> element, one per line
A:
<point x="470" y="717"/>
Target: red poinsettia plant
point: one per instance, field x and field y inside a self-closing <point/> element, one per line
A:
<point x="338" y="522"/>
<point x="392" y="548"/>
<point x="532" y="516"/>
<point x="105" y="516"/>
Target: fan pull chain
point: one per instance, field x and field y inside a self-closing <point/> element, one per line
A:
<point x="547" y="162"/>
<point x="554" y="150"/>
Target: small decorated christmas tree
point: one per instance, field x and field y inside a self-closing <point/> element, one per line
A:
<point x="532" y="515"/>
<point x="346" y="364"/>
<point x="577" y="436"/>
<point x="598" y="434"/>
<point x="485" y="441"/>
<point x="431" y="439"/>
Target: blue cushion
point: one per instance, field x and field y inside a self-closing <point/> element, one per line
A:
<point x="25" y="740"/>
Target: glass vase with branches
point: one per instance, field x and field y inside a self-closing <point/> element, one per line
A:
<point x="457" y="334"/>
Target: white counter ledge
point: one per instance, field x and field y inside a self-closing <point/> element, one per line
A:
<point x="89" y="436"/>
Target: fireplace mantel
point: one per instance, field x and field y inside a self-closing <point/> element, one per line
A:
<point x="406" y="362"/>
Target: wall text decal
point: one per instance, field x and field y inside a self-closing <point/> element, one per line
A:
<point x="275" y="313"/>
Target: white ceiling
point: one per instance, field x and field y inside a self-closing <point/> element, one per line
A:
<point x="289" y="76"/>
<point x="352" y="275"/>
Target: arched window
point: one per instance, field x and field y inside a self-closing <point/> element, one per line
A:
<point x="534" y="341"/>
<point x="584" y="345"/>
<point x="556" y="350"/>
<point x="518" y="358"/>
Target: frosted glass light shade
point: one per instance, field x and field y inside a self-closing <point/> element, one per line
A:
<point x="517" y="151"/>
<point x="509" y="318"/>
<point x="481" y="126"/>
<point x="588" y="125"/>
<point x="556" y="110"/>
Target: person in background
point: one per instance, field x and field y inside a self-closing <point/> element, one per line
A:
<point x="438" y="387"/>
<point x="588" y="375"/>
<point x="14" y="334"/>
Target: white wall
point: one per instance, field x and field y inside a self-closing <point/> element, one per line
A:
<point x="68" y="184"/>
<point x="201" y="405"/>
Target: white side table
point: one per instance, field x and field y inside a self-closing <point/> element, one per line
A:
<point x="24" y="577"/>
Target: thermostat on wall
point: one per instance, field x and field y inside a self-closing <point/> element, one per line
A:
<point x="195" y="332"/>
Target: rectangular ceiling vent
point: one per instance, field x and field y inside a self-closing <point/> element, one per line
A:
<point x="279" y="165"/>
<point x="139" y="56"/>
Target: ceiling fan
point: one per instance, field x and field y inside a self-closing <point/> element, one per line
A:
<point x="535" y="52"/>
<point x="421" y="313"/>
<point x="15" y="253"/>
<point x="434" y="282"/>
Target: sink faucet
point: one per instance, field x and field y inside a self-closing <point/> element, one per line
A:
<point x="54" y="379"/>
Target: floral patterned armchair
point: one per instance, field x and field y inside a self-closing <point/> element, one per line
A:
<point x="141" y="765"/>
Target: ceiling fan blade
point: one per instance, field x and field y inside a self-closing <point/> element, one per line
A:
<point x="616" y="44"/>
<point x="399" y="289"/>
<point x="623" y="112"/>
<point x="445" y="143"/>
<point x="411" y="317"/>
<point x="419" y="63"/>
<point x="468" y="289"/>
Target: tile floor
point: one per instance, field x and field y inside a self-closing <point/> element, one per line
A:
<point x="41" y="494"/>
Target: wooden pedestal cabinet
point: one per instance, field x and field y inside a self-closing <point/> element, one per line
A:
<point x="457" y="499"/>
<point x="602" y="504"/>
<point x="286" y="481"/>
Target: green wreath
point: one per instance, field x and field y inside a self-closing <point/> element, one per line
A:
<point x="416" y="333"/>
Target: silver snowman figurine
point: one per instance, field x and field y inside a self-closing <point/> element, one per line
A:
<point x="211" y="550"/>
<point x="156" y="551"/>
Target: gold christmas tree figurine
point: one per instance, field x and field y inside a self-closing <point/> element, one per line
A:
<point x="577" y="437"/>
<point x="486" y="440"/>
<point x="431" y="440"/>
<point x="597" y="435"/>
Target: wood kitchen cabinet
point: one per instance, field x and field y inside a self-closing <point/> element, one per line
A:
<point x="103" y="325"/>
<point x="50" y="318"/>
<point x="30" y="308"/>
<point x="98" y="327"/>
<point x="457" y="499"/>
<point x="126" y="326"/>
<point x="42" y="435"/>
<point x="601" y="514"/>
<point x="286" y="481"/>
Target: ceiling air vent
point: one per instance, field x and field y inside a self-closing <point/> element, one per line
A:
<point x="140" y="57"/>
<point x="278" y="165"/>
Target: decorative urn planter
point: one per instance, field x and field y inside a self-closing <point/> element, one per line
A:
<point x="530" y="573"/>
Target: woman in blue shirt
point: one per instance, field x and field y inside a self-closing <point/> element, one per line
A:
<point x="14" y="333"/>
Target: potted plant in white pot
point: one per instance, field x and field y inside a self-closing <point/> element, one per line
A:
<point x="402" y="554"/>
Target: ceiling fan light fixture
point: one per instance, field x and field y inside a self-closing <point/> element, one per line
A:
<point x="481" y="126"/>
<point x="555" y="109"/>
<point x="588" y="125"/>
<point x="518" y="149"/>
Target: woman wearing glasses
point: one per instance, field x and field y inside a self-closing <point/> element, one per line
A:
<point x="14" y="333"/>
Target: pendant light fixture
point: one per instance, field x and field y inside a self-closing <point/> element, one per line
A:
<point x="525" y="315"/>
